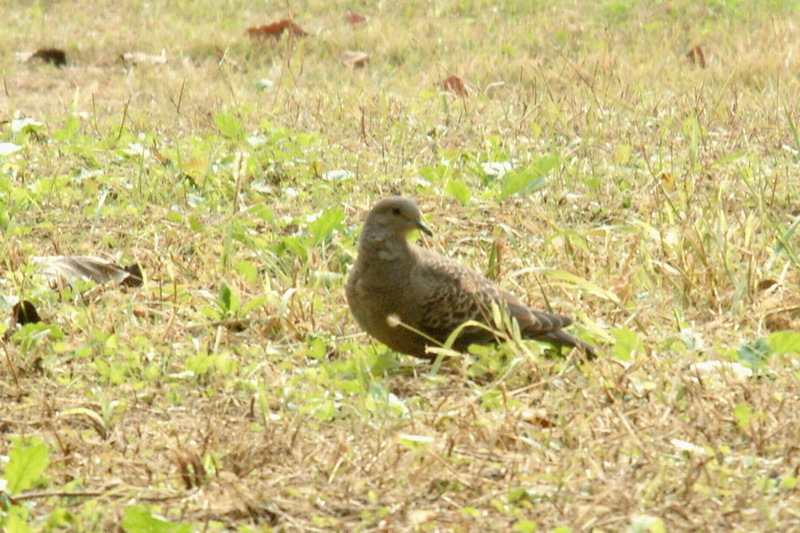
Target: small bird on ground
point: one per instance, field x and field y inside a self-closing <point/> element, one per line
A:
<point x="411" y="298"/>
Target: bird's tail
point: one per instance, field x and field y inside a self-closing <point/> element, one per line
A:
<point x="560" y="337"/>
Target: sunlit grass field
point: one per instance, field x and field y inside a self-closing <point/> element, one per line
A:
<point x="633" y="165"/>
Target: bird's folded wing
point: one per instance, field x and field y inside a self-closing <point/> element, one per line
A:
<point x="450" y="294"/>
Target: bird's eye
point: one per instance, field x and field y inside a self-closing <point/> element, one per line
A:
<point x="396" y="210"/>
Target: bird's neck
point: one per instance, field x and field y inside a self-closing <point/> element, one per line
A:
<point x="385" y="247"/>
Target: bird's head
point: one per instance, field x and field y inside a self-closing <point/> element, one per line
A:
<point x="395" y="216"/>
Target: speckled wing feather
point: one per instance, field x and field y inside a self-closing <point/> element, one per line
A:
<point x="450" y="294"/>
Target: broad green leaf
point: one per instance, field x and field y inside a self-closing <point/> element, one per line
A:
<point x="70" y="129"/>
<point x="16" y="521"/>
<point x="516" y="495"/>
<point x="786" y="341"/>
<point x="458" y="190"/>
<point x="525" y="526"/>
<point x="247" y="269"/>
<point x="528" y="178"/>
<point x="140" y="519"/>
<point x="293" y="244"/>
<point x="261" y="211"/>
<point x="198" y="364"/>
<point x="627" y="343"/>
<point x="250" y="305"/>
<point x="754" y="353"/>
<point x="743" y="414"/>
<point x="229" y="125"/>
<point x="174" y="217"/>
<point x="324" y="225"/>
<point x="26" y="462"/>
<point x="435" y="174"/>
<point x="326" y="411"/>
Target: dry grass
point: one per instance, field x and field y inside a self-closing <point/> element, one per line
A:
<point x="675" y="191"/>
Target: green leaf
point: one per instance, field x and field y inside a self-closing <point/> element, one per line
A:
<point x="525" y="526"/>
<point x="261" y="211"/>
<point x="458" y="190"/>
<point x="647" y="524"/>
<point x="627" y="343"/>
<point x="174" y="217"/>
<point x="743" y="414"/>
<point x="17" y="521"/>
<point x="786" y="341"/>
<point x="622" y="155"/>
<point x="247" y="269"/>
<point x="252" y="304"/>
<point x="26" y="462"/>
<point x="471" y="512"/>
<point x="528" y="178"/>
<point x="434" y="174"/>
<point x="294" y="245"/>
<point x="754" y="353"/>
<point x="326" y="411"/>
<point x="324" y="225"/>
<point x="140" y="519"/>
<point x="229" y="126"/>
<point x="69" y="130"/>
<point x="225" y="297"/>
<point x="516" y="495"/>
<point x="198" y="364"/>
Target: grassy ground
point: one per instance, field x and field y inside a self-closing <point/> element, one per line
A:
<point x="233" y="391"/>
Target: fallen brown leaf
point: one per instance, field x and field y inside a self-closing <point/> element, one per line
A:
<point x="696" y="56"/>
<point x="355" y="18"/>
<point x="354" y="59"/>
<point x="455" y="85"/>
<point x="276" y="29"/>
<point x="63" y="270"/>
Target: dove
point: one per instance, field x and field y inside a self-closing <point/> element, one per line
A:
<point x="411" y="298"/>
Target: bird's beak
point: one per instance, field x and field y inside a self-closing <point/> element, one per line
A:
<point x="424" y="229"/>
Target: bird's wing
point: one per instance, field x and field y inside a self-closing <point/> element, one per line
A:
<point x="450" y="294"/>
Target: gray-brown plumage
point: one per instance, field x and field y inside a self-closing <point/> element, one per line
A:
<point x="394" y="282"/>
